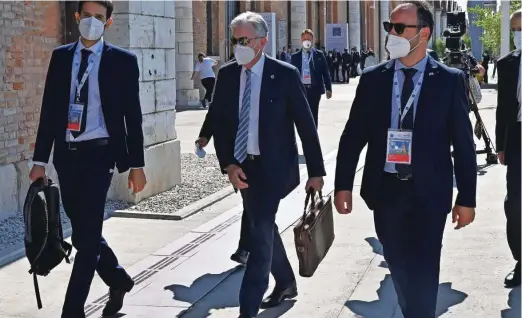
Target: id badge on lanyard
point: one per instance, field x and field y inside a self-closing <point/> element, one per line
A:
<point x="77" y="109"/>
<point x="398" y="149"/>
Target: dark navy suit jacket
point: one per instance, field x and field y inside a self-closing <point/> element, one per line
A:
<point x="119" y="92"/>
<point x="441" y="121"/>
<point x="319" y="71"/>
<point x="507" y="108"/>
<point x="282" y="105"/>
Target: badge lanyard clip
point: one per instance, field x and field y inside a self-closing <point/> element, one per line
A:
<point x="397" y="94"/>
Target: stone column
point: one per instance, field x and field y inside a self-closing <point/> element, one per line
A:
<point x="298" y="23"/>
<point x="384" y="7"/>
<point x="505" y="39"/>
<point x="438" y="24"/>
<point x="354" y="24"/>
<point x="147" y="28"/>
<point x="342" y="8"/>
<point x="186" y="94"/>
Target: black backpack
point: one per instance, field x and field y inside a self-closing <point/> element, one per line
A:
<point x="44" y="244"/>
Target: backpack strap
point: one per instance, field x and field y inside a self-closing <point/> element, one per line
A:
<point x="37" y="291"/>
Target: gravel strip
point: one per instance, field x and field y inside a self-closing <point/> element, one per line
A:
<point x="199" y="178"/>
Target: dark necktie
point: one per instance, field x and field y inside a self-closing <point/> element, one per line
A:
<point x="84" y="93"/>
<point x="404" y="169"/>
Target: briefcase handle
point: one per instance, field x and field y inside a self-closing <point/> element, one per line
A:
<point x="310" y="195"/>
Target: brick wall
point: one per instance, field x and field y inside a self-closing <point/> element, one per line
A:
<point x="199" y="8"/>
<point x="30" y="30"/>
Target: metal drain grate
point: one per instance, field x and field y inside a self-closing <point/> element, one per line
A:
<point x="152" y="270"/>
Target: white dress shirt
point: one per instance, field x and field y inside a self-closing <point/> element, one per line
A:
<point x="255" y="91"/>
<point x="205" y="68"/>
<point x="95" y="124"/>
<point x="307" y="57"/>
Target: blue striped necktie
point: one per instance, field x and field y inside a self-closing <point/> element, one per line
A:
<point x="240" y="149"/>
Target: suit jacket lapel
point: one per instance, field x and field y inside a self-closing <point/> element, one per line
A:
<point x="104" y="76"/>
<point x="386" y="96"/>
<point x="430" y="80"/>
<point x="299" y="62"/>
<point x="235" y="82"/>
<point x="68" y="68"/>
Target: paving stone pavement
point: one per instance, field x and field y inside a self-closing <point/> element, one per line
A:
<point x="183" y="270"/>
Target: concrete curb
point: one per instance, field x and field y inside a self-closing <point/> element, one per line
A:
<point x="185" y="212"/>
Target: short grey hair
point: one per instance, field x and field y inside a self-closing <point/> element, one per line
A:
<point x="255" y="19"/>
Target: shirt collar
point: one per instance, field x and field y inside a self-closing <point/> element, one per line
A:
<point x="420" y="66"/>
<point x="94" y="49"/>
<point x="257" y="69"/>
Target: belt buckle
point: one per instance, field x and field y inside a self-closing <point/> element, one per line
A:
<point x="251" y="157"/>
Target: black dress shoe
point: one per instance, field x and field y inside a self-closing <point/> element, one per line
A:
<point x="278" y="295"/>
<point x="513" y="278"/>
<point x="115" y="302"/>
<point x="240" y="256"/>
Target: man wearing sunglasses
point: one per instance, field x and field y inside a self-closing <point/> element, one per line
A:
<point x="419" y="112"/>
<point x="257" y="103"/>
<point x="508" y="133"/>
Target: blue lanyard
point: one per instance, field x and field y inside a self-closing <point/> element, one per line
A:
<point x="397" y="94"/>
<point x="85" y="76"/>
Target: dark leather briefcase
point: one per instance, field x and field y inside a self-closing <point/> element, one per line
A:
<point x="314" y="234"/>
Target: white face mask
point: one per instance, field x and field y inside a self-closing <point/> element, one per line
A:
<point x="307" y="44"/>
<point x="399" y="47"/>
<point x="91" y="28"/>
<point x="517" y="38"/>
<point x="244" y="54"/>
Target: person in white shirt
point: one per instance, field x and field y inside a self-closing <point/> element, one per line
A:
<point x="204" y="67"/>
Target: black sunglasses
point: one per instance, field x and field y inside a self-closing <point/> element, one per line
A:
<point x="242" y="40"/>
<point x="399" y="27"/>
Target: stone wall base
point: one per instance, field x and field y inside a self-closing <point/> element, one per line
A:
<point x="163" y="170"/>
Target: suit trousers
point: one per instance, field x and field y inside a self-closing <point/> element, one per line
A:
<point x="267" y="252"/>
<point x="512" y="205"/>
<point x="244" y="237"/>
<point x="412" y="242"/>
<point x="314" y="98"/>
<point x="85" y="177"/>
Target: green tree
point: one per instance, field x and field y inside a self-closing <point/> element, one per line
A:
<point x="489" y="21"/>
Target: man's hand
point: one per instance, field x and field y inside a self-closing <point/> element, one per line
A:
<point x="237" y="177"/>
<point x="137" y="180"/>
<point x="37" y="172"/>
<point x="202" y="142"/>
<point x="315" y="183"/>
<point x="501" y="157"/>
<point x="328" y="94"/>
<point x="343" y="202"/>
<point x="462" y="216"/>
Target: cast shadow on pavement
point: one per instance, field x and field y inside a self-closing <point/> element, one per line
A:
<point x="212" y="292"/>
<point x="386" y="305"/>
<point x="514" y="304"/>
<point x="387" y="302"/>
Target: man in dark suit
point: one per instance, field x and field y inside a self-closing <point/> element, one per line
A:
<point x="315" y="75"/>
<point x="410" y="196"/>
<point x="508" y="142"/>
<point x="241" y="254"/>
<point x="346" y="61"/>
<point x="93" y="118"/>
<point x="257" y="103"/>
